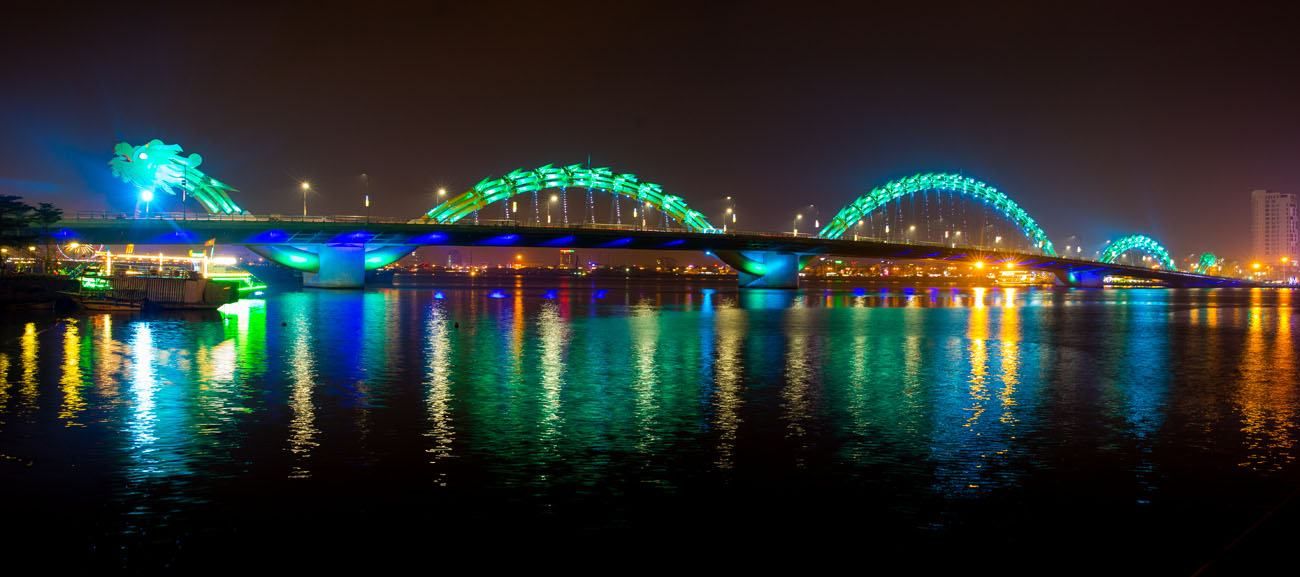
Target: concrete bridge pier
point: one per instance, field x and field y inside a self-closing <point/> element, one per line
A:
<point x="1081" y="278"/>
<point x="766" y="269"/>
<point x="333" y="265"/>
<point x="342" y="266"/>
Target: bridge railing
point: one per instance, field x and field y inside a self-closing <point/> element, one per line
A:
<point x="187" y="216"/>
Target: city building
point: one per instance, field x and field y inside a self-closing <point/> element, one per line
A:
<point x="568" y="258"/>
<point x="1273" y="227"/>
<point x="453" y="259"/>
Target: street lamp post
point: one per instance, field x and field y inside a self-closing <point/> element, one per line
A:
<point x="365" y="192"/>
<point x="305" y="186"/>
<point x="797" y="218"/>
<point x="812" y="210"/>
<point x="729" y="213"/>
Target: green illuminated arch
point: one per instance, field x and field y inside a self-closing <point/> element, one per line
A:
<point x="1207" y="262"/>
<point x="520" y="181"/>
<point x="1141" y="243"/>
<point x="882" y="195"/>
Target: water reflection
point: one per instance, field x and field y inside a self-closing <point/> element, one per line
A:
<point x="28" y="355"/>
<point x="800" y="358"/>
<point x="143" y="390"/>
<point x="554" y="338"/>
<point x="4" y="383"/>
<point x="438" y="400"/>
<point x="73" y="403"/>
<point x="1009" y="335"/>
<point x="108" y="358"/>
<point x="643" y="324"/>
<point x="728" y="370"/>
<point x="942" y="399"/>
<point x="302" y="382"/>
<point x="1266" y="398"/>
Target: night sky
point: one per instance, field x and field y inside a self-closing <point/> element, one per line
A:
<point x="1100" y="118"/>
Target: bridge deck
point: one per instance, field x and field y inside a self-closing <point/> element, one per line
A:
<point x="265" y="230"/>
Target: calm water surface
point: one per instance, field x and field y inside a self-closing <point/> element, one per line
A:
<point x="994" y="426"/>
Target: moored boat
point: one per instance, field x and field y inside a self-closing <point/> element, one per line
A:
<point x="108" y="300"/>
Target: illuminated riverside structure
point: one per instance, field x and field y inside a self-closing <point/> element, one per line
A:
<point x="335" y="252"/>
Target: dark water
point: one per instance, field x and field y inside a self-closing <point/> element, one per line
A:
<point x="998" y="428"/>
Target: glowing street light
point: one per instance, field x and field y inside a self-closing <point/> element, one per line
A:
<point x="146" y="195"/>
<point x="306" y="187"/>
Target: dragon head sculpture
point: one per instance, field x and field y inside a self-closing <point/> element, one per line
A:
<point x="161" y="167"/>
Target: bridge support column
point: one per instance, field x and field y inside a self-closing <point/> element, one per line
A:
<point x="1081" y="278"/>
<point x="765" y="269"/>
<point x="341" y="266"/>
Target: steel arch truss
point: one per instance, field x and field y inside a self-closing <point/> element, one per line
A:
<point x="1141" y="243"/>
<point x="1206" y="262"/>
<point x="520" y="181"/>
<point x="966" y="186"/>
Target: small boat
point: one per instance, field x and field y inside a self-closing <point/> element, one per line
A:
<point x="108" y="300"/>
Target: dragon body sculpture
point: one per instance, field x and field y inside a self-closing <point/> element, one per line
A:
<point x="156" y="166"/>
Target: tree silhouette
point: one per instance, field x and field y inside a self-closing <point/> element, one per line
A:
<point x="14" y="218"/>
<point x="47" y="214"/>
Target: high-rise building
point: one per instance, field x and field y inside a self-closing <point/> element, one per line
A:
<point x="1273" y="226"/>
<point x="453" y="259"/>
<point x="568" y="258"/>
